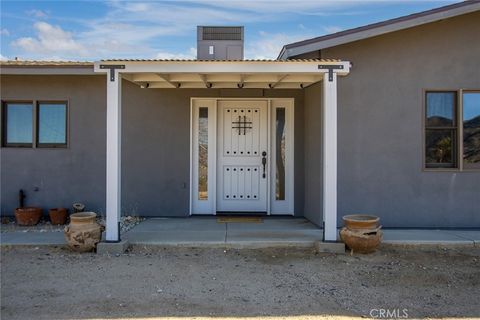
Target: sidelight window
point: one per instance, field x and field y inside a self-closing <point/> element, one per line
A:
<point x="203" y="154"/>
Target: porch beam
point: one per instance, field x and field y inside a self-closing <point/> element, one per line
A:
<point x="329" y="156"/>
<point x="166" y="78"/>
<point x="279" y="79"/>
<point x="113" y="172"/>
<point x="205" y="80"/>
<point x="221" y="67"/>
<point x="130" y="78"/>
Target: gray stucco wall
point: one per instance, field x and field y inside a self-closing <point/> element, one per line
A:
<point x="156" y="142"/>
<point x="62" y="176"/>
<point x="380" y="126"/>
<point x="155" y="148"/>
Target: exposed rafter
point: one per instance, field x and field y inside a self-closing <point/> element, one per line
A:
<point x="204" y="79"/>
<point x="166" y="78"/>
<point x="280" y="78"/>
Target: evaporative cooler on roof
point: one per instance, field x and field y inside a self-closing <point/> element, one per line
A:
<point x="219" y="43"/>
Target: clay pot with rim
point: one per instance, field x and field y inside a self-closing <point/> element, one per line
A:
<point x="28" y="216"/>
<point x="361" y="233"/>
<point x="360" y="221"/>
<point x="58" y="216"/>
<point x="83" y="233"/>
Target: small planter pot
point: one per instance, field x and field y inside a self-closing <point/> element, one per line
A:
<point x="361" y="241"/>
<point x="58" y="216"/>
<point x="28" y="216"/>
<point x="83" y="233"/>
<point x="361" y="233"/>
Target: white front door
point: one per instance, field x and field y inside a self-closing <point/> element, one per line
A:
<point x="242" y="156"/>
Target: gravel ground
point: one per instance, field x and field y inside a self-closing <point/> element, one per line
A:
<point x="53" y="283"/>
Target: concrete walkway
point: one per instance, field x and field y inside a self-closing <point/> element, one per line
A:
<point x="206" y="231"/>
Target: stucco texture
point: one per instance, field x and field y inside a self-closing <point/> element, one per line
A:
<point x="155" y="147"/>
<point x="156" y="143"/>
<point x="61" y="176"/>
<point x="380" y="168"/>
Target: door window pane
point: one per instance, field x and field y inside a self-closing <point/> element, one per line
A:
<point x="52" y="124"/>
<point x="280" y="153"/>
<point x="203" y="154"/>
<point x="19" y="123"/>
<point x="440" y="146"/>
<point x="440" y="109"/>
<point x="471" y="129"/>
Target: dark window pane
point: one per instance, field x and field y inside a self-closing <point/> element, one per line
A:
<point x="19" y="123"/>
<point x="440" y="148"/>
<point x="203" y="154"/>
<point x="52" y="123"/>
<point x="471" y="128"/>
<point x="280" y="156"/>
<point x="440" y="109"/>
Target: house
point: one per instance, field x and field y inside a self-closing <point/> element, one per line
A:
<point x="381" y="119"/>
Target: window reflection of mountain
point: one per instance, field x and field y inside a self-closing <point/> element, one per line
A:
<point x="471" y="140"/>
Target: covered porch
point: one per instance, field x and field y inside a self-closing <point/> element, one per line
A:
<point x="232" y="75"/>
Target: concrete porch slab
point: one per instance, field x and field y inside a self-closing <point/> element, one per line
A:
<point x="179" y="224"/>
<point x="180" y="237"/>
<point x="273" y="224"/>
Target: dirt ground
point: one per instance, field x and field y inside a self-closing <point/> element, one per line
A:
<point x="53" y="283"/>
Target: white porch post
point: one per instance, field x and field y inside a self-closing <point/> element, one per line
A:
<point x="114" y="133"/>
<point x="330" y="156"/>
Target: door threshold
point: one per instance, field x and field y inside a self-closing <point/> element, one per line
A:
<point x="240" y="213"/>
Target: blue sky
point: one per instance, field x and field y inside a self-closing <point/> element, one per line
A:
<point x="91" y="30"/>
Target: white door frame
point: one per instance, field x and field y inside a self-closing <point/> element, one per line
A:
<point x="208" y="206"/>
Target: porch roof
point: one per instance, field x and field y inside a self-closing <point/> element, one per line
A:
<point x="264" y="74"/>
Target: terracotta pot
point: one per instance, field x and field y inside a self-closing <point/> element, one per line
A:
<point x="360" y="221"/>
<point x="362" y="241"/>
<point x="83" y="233"/>
<point x="58" y="215"/>
<point x="28" y="216"/>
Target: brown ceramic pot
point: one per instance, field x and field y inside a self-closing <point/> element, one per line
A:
<point x="28" y="216"/>
<point x="360" y="222"/>
<point x="362" y="241"/>
<point x="58" y="215"/>
<point x="83" y="233"/>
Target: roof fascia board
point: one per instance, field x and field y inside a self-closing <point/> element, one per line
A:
<point x="287" y="51"/>
<point x="223" y="67"/>
<point x="46" y="70"/>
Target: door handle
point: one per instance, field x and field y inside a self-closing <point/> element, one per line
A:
<point x="264" y="162"/>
